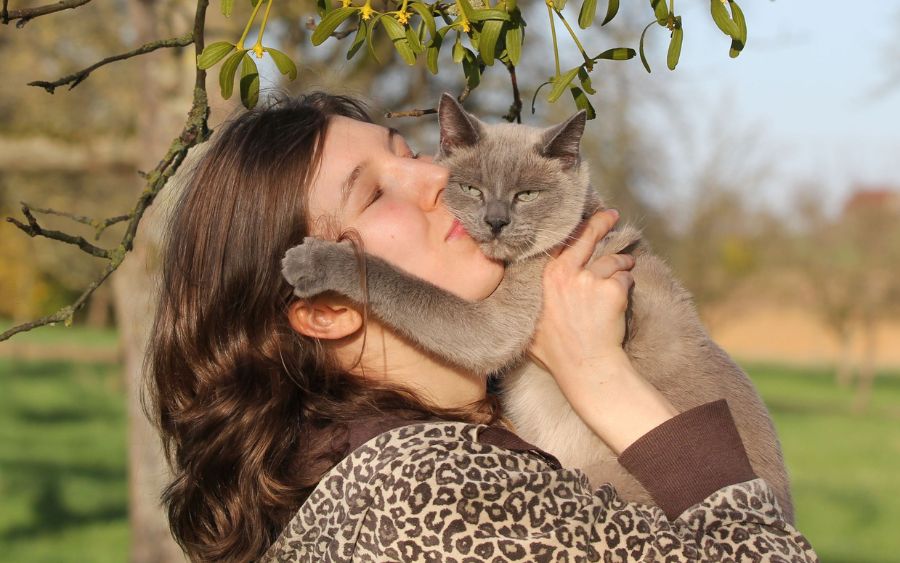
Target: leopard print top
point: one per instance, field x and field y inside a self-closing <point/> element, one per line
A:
<point x="432" y="492"/>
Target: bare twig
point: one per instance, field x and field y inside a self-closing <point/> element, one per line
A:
<point x="26" y="14"/>
<point x="195" y="131"/>
<point x="429" y="111"/>
<point x="515" y="109"/>
<point x="76" y="78"/>
<point x="33" y="229"/>
<point x="99" y="225"/>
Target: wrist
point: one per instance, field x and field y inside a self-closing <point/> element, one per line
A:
<point x="614" y="401"/>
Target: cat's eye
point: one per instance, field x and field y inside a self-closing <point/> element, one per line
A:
<point x="471" y="190"/>
<point x="529" y="195"/>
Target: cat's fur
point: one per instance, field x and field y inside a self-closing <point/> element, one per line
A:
<point x="666" y="340"/>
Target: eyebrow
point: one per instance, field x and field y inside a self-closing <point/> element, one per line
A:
<point x="347" y="186"/>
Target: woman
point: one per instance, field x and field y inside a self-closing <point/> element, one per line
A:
<point x="260" y="396"/>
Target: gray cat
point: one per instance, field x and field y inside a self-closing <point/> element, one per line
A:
<point x="520" y="191"/>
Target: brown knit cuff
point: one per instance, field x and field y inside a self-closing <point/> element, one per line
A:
<point x="690" y="456"/>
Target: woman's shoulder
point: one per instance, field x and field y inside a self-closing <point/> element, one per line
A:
<point x="409" y="462"/>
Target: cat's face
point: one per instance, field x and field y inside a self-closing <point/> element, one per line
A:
<point x="517" y="190"/>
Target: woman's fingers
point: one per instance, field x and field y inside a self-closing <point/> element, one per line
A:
<point x="579" y="252"/>
<point x="607" y="266"/>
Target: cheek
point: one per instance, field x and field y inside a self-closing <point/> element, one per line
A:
<point x="393" y="233"/>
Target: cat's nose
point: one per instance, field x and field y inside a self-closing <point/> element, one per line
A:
<point x="496" y="224"/>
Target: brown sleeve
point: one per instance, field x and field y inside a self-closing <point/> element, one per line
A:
<point x="690" y="456"/>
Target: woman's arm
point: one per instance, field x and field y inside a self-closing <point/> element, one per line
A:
<point x="451" y="499"/>
<point x="579" y="340"/>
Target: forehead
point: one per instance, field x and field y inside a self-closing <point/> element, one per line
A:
<point x="348" y="143"/>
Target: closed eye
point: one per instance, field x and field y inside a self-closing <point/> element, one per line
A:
<point x="376" y="194"/>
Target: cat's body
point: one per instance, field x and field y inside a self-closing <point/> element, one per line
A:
<point x="666" y="340"/>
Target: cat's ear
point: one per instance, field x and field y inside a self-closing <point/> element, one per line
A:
<point x="564" y="140"/>
<point x="458" y="127"/>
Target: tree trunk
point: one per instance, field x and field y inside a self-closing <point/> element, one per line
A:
<point x="867" y="369"/>
<point x="167" y="74"/>
<point x="844" y="372"/>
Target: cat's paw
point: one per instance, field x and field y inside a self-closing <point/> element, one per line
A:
<point x="311" y="266"/>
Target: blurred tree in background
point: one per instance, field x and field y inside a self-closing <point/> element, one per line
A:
<point x="78" y="150"/>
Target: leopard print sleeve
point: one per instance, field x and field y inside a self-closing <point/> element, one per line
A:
<point x="432" y="492"/>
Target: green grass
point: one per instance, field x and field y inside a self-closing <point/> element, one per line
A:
<point x="844" y="466"/>
<point x="62" y="463"/>
<point x="63" y="471"/>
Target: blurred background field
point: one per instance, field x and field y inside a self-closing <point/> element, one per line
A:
<point x="63" y="458"/>
<point x="769" y="183"/>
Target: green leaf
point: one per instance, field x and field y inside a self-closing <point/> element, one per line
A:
<point x="426" y="15"/>
<point x="560" y="83"/>
<point x="487" y="43"/>
<point x="641" y="47"/>
<point x="585" y="80"/>
<point x="485" y="15"/>
<point x="582" y="102"/>
<point x="358" y="40"/>
<point x="458" y="50"/>
<point x="558" y="5"/>
<point x="398" y="36"/>
<point x="661" y="10"/>
<point x="587" y="13"/>
<point x="611" y="10"/>
<point x="471" y="70"/>
<point x="322" y="7"/>
<point x="213" y="53"/>
<point x="723" y="19"/>
<point x="249" y="82"/>
<point x="227" y="72"/>
<point x="227" y="7"/>
<point x="467" y="9"/>
<point x="675" y="45"/>
<point x="370" y="35"/>
<point x="616" y="54"/>
<point x="413" y="39"/>
<point x="432" y="52"/>
<point x="737" y="44"/>
<point x="283" y="62"/>
<point x="514" y="44"/>
<point x="330" y="22"/>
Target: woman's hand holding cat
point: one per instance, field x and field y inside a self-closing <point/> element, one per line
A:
<point x="579" y="339"/>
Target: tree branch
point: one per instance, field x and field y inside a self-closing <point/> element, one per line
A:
<point x="33" y="229"/>
<point x="76" y="78"/>
<point x="26" y="14"/>
<point x="515" y="110"/>
<point x="420" y="112"/>
<point x="98" y="225"/>
<point x="195" y="131"/>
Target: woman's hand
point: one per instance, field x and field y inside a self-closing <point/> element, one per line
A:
<point x="583" y="315"/>
<point x="579" y="340"/>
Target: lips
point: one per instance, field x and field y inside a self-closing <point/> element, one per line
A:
<point x="456" y="230"/>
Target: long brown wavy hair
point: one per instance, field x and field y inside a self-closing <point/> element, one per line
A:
<point x="251" y="413"/>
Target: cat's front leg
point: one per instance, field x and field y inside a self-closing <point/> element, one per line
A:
<point x="319" y="265"/>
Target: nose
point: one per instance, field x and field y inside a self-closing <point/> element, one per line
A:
<point x="496" y="215"/>
<point x="429" y="181"/>
<point x="497" y="224"/>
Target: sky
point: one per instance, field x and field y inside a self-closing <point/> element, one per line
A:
<point x="810" y="82"/>
<point x="808" y="89"/>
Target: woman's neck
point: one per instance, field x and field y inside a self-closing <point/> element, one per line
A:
<point x="388" y="357"/>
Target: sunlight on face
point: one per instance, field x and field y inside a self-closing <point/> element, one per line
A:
<point x="370" y="181"/>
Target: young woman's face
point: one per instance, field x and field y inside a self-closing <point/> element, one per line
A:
<point x="370" y="181"/>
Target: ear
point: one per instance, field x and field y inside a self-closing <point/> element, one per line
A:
<point x="458" y="127"/>
<point x="563" y="141"/>
<point x="324" y="318"/>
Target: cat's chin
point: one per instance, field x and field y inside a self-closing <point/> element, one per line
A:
<point x="498" y="250"/>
